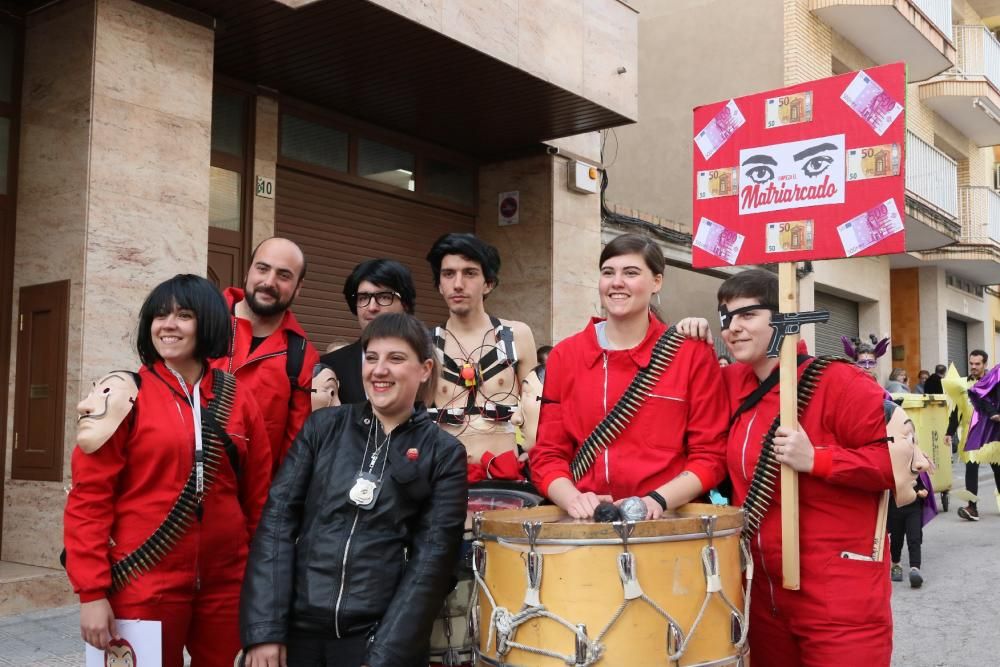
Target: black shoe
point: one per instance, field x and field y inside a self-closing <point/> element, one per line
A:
<point x="896" y="572"/>
<point x="916" y="580"/>
<point x="969" y="513"/>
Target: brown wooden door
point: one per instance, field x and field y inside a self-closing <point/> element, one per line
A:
<point x="338" y="225"/>
<point x="40" y="385"/>
<point x="225" y="264"/>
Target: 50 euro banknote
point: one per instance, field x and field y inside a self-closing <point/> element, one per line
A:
<point x="789" y="109"/>
<point x="873" y="162"/>
<point x="718" y="183"/>
<point x="789" y="236"/>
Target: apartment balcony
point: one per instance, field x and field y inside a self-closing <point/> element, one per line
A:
<point x="985" y="8"/>
<point x="932" y="203"/>
<point x="968" y="97"/>
<point x="977" y="257"/>
<point x="887" y="31"/>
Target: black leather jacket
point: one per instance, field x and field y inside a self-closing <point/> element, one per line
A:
<point x="319" y="565"/>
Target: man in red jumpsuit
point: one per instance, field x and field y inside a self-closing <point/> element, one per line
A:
<point x="841" y="613"/>
<point x="265" y="333"/>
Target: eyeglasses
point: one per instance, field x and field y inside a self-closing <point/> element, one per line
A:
<point x="381" y="298"/>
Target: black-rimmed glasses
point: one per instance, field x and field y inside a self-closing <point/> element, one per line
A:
<point x="381" y="298"/>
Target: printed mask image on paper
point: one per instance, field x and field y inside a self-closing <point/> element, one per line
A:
<point x="792" y="175"/>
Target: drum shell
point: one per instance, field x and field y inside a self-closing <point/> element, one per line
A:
<point x="580" y="583"/>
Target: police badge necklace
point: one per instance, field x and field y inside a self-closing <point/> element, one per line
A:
<point x="367" y="486"/>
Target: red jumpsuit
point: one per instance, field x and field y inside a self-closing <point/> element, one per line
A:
<point x="264" y="373"/>
<point x="122" y="492"/>
<point x="841" y="614"/>
<point x="681" y="426"/>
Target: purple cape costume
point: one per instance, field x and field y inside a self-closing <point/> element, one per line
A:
<point x="983" y="431"/>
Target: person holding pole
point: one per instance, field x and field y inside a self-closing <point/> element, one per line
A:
<point x="840" y="614"/>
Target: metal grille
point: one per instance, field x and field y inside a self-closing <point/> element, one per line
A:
<point x="958" y="345"/>
<point x="843" y="322"/>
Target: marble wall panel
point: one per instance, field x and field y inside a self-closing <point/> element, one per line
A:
<point x="550" y="41"/>
<point x="610" y="42"/>
<point x="526" y="248"/>
<point x="490" y="25"/>
<point x="32" y="522"/>
<point x="265" y="164"/>
<point x="148" y="58"/>
<point x="150" y="154"/>
<point x="586" y="145"/>
<point x="424" y="12"/>
<point x="574" y="208"/>
<point x="573" y="306"/>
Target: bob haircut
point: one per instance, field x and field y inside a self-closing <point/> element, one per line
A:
<point x="470" y="247"/>
<point x="750" y="284"/>
<point x="410" y="329"/>
<point x="629" y="244"/>
<point x="384" y="273"/>
<point x="193" y="293"/>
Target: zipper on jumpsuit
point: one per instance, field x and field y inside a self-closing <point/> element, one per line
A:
<point x="343" y="574"/>
<point x="760" y="544"/>
<point x="197" y="538"/>
<point x="607" y="465"/>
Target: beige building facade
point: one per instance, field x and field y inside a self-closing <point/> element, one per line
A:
<point x="148" y="138"/>
<point x="935" y="300"/>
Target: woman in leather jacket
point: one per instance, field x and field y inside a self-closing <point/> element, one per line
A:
<point x="355" y="550"/>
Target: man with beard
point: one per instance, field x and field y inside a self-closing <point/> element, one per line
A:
<point x="269" y="351"/>
<point x="484" y="359"/>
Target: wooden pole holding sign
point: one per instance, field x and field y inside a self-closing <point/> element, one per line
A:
<point x="788" y="302"/>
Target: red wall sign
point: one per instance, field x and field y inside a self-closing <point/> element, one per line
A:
<point x="811" y="171"/>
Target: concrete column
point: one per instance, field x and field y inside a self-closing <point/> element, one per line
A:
<point x="933" y="320"/>
<point x="112" y="195"/>
<point x="265" y="161"/>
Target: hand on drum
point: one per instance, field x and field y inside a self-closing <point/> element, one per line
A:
<point x="653" y="509"/>
<point x="696" y="328"/>
<point x="584" y="504"/>
<point x="793" y="448"/>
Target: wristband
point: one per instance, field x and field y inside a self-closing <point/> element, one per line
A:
<point x="660" y="500"/>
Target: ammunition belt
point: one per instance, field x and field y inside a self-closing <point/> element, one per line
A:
<point x="624" y="410"/>
<point x="767" y="472"/>
<point x="187" y="507"/>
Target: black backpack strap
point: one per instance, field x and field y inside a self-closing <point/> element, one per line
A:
<point x="295" y="358"/>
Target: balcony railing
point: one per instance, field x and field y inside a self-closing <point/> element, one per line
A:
<point x="980" y="215"/>
<point x="978" y="53"/>
<point x="938" y="11"/>
<point x="931" y="175"/>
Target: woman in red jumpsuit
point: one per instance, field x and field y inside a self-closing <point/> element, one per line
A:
<point x="674" y="448"/>
<point x="123" y="491"/>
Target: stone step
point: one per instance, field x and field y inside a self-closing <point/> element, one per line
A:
<point x="25" y="588"/>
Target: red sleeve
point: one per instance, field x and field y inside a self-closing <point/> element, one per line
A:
<point x="301" y="406"/>
<point x="708" y="417"/>
<point x="554" y="447"/>
<point x="853" y="412"/>
<point x="256" y="477"/>
<point x="89" y="514"/>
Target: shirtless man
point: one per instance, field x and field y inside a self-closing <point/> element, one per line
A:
<point x="484" y="359"/>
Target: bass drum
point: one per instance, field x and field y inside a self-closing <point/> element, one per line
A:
<point x="451" y="641"/>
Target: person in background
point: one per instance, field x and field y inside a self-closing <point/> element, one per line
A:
<point x="898" y="382"/>
<point x="921" y="380"/>
<point x="724" y="361"/>
<point x="543" y="354"/>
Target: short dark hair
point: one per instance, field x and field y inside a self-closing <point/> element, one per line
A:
<point x="384" y="273"/>
<point x="302" y="275"/>
<point x="750" y="284"/>
<point x="194" y="293"/>
<point x="470" y="247"/>
<point x="980" y="353"/>
<point x="400" y="325"/>
<point x="627" y="244"/>
<point x="940" y="369"/>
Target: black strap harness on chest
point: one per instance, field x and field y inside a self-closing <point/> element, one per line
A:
<point x="628" y="405"/>
<point x="767" y="472"/>
<point x="187" y="507"/>
<point x="501" y="356"/>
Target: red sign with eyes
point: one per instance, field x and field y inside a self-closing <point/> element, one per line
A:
<point x="811" y="171"/>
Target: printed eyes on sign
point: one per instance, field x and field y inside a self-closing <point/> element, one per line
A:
<point x="817" y="165"/>
<point x="760" y="173"/>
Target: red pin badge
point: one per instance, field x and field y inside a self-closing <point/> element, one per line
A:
<point x="412" y="453"/>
